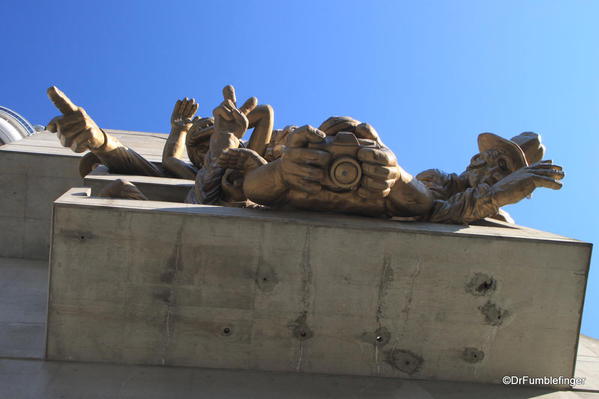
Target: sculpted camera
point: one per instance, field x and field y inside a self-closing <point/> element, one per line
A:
<point x="345" y="171"/>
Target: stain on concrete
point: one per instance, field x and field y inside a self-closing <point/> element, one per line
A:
<point x="494" y="315"/>
<point x="410" y="294"/>
<point x="266" y="278"/>
<point x="472" y="355"/>
<point x="481" y="284"/>
<point x="404" y="360"/>
<point x="173" y="263"/>
<point x="164" y="294"/>
<point x="299" y="327"/>
<point x="379" y="338"/>
<point x="385" y="281"/>
<point x="306" y="272"/>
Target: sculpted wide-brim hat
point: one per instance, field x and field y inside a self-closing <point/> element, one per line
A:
<point x="490" y="141"/>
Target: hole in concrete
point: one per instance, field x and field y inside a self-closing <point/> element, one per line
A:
<point x="494" y="315"/>
<point x="472" y="355"/>
<point x="82" y="237"/>
<point x="481" y="284"/>
<point x="300" y="328"/>
<point x="380" y="337"/>
<point x="266" y="278"/>
<point x="485" y="285"/>
<point x="226" y="331"/>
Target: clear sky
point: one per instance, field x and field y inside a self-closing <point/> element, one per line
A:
<point x="429" y="75"/>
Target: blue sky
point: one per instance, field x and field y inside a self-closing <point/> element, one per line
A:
<point x="429" y="75"/>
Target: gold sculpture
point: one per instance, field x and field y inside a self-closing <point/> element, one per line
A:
<point x="343" y="166"/>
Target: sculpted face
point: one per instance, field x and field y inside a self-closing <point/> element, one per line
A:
<point x="489" y="167"/>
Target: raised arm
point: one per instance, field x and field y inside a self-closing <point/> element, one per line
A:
<point x="230" y="124"/>
<point x="174" y="150"/>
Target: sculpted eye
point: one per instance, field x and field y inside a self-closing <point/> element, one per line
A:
<point x="503" y="165"/>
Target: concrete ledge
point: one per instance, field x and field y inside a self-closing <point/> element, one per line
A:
<point x="155" y="188"/>
<point x="158" y="283"/>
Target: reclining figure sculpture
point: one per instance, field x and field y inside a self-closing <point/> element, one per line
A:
<point x="343" y="166"/>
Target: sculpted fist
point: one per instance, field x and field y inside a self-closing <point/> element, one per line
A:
<point x="230" y="119"/>
<point x="183" y="113"/>
<point x="304" y="168"/>
<point x="75" y="129"/>
<point x="524" y="181"/>
<point x="379" y="172"/>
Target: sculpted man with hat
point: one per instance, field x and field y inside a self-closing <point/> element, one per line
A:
<point x="502" y="173"/>
<point x="343" y="166"/>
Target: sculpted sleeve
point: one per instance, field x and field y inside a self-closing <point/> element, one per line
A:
<point x="454" y="201"/>
<point x="123" y="160"/>
<point x="441" y="184"/>
<point x="464" y="207"/>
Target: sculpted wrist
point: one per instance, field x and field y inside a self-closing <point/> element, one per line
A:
<point x="109" y="144"/>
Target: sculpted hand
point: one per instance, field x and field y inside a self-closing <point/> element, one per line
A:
<point x="242" y="159"/>
<point x="75" y="129"/>
<point x="183" y="113"/>
<point x="524" y="181"/>
<point x="230" y="119"/>
<point x="303" y="168"/>
<point x="379" y="170"/>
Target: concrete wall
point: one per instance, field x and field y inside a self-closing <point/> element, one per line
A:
<point x="173" y="284"/>
<point x="34" y="172"/>
<point x="30" y="183"/>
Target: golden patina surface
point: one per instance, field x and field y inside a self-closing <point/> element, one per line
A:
<point x="341" y="166"/>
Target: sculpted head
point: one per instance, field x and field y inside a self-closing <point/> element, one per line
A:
<point x="499" y="157"/>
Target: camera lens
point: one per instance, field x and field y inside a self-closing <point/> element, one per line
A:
<point x="346" y="172"/>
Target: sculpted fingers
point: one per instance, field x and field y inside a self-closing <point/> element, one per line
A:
<point x="61" y="101"/>
<point x="52" y="126"/>
<point x="231" y="158"/>
<point x="379" y="172"/>
<point x="81" y="142"/>
<point x="375" y="188"/>
<point x="221" y="112"/>
<point x="308" y="156"/>
<point x="249" y="105"/>
<point x="229" y="94"/>
<point x="543" y="181"/>
<point x="366" y="131"/>
<point x="194" y="109"/>
<point x="191" y="109"/>
<point x="545" y="165"/>
<point x="177" y="108"/>
<point x="553" y="173"/>
<point x="376" y="156"/>
<point x="304" y="171"/>
<point x="301" y="136"/>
